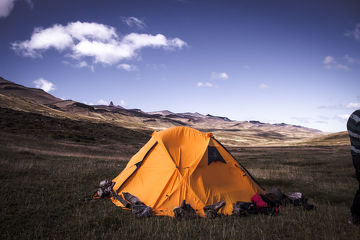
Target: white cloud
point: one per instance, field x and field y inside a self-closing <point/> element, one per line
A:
<point x="219" y="75"/>
<point x="90" y="31"/>
<point x="42" y="39"/>
<point x="44" y="85"/>
<point x="343" y="116"/>
<point x="126" y="67"/>
<point x="6" y="7"/>
<point x="214" y="76"/>
<point x="102" y="102"/>
<point x="204" y="84"/>
<point x="176" y="43"/>
<point x="351" y="60"/>
<point x="122" y="103"/>
<point x="136" y="41"/>
<point x="354" y="33"/>
<point x="101" y="52"/>
<point x="332" y="107"/>
<point x="263" y="86"/>
<point x="330" y="63"/>
<point x="84" y="64"/>
<point x="329" y="60"/>
<point x="353" y="105"/>
<point x="97" y="41"/>
<point x="81" y="64"/>
<point x="343" y="67"/>
<point x="134" y="22"/>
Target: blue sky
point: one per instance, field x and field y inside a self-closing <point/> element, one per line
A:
<point x="296" y="62"/>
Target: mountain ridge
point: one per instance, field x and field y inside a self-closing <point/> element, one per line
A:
<point x="232" y="132"/>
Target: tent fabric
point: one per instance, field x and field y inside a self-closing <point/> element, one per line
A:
<point x="182" y="163"/>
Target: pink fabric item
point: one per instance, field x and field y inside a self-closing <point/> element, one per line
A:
<point x="259" y="203"/>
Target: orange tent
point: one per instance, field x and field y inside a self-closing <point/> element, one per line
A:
<point x="182" y="163"/>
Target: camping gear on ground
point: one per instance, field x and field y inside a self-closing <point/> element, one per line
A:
<point x="263" y="207"/>
<point x="298" y="199"/>
<point x="274" y="197"/>
<point x="295" y="198"/>
<point x="105" y="189"/>
<point x="184" y="211"/>
<point x="270" y="203"/>
<point x="257" y="206"/>
<point x="182" y="163"/>
<point x="138" y="208"/>
<point x="258" y="201"/>
<point x="243" y="208"/>
<point x="211" y="211"/>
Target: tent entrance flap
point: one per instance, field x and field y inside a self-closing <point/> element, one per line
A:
<point x="214" y="155"/>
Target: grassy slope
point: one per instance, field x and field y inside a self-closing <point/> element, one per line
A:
<point x="36" y="125"/>
<point x="47" y="180"/>
<point x="340" y="138"/>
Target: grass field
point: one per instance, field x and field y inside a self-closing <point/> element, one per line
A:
<point x="47" y="180"/>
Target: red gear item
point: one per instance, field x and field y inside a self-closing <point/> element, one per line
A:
<point x="259" y="203"/>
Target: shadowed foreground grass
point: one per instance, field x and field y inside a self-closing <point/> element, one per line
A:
<point x="45" y="194"/>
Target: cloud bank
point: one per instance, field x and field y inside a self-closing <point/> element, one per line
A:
<point x="96" y="41"/>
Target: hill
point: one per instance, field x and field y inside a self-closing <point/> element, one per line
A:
<point x="231" y="132"/>
<point x="340" y="138"/>
<point x="36" y="95"/>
